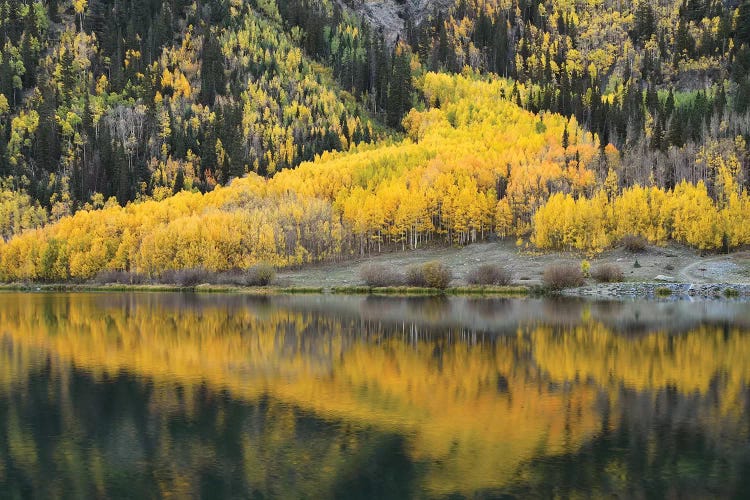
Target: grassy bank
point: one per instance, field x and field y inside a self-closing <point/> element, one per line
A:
<point x="84" y="287"/>
<point x="504" y="291"/>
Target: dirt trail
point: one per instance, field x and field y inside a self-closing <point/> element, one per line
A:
<point x="732" y="268"/>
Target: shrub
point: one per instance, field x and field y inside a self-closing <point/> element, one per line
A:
<point x="415" y="276"/>
<point x="233" y="277"/>
<point x="257" y="275"/>
<point x="634" y="243"/>
<point x="437" y="275"/>
<point x="184" y="277"/>
<point x="489" y="274"/>
<point x="608" y="273"/>
<point x="586" y="268"/>
<point x="663" y="291"/>
<point x="560" y="276"/>
<point x="260" y="275"/>
<point x="380" y="275"/>
<point x="429" y="274"/>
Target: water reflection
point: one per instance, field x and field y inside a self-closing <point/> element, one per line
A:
<point x="144" y="394"/>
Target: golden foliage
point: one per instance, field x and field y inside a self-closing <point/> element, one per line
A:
<point x="686" y="214"/>
<point x="475" y="409"/>
<point x="443" y="185"/>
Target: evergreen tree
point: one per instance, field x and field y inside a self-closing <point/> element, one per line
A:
<point x="53" y="11"/>
<point x="213" y="80"/>
<point x="67" y="76"/>
<point x="742" y="32"/>
<point x="47" y="152"/>
<point x="6" y="79"/>
<point x="674" y="135"/>
<point x="669" y="104"/>
<point x="645" y="22"/>
<point x="179" y="181"/>
<point x="657" y="136"/>
<point x="684" y="44"/>
<point x="400" y="88"/>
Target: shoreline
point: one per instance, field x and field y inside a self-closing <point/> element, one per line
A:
<point x="502" y="291"/>
<point x="661" y="291"/>
<point x="621" y="291"/>
<point x="671" y="272"/>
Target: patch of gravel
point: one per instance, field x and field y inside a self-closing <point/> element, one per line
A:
<point x="678" y="291"/>
<point x="683" y="264"/>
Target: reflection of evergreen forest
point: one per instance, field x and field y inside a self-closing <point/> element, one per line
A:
<point x="151" y="394"/>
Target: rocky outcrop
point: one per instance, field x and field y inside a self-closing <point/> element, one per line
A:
<point x="391" y="15"/>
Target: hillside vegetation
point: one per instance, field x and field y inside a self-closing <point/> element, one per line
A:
<point x="148" y="136"/>
<point x="474" y="166"/>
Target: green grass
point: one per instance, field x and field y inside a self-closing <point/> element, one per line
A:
<point x="504" y="291"/>
<point x="663" y="291"/>
<point x="513" y="291"/>
<point x="507" y="291"/>
<point x="83" y="287"/>
<point x="731" y="293"/>
<point x="385" y="290"/>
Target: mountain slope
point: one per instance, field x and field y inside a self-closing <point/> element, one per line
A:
<point x="139" y="100"/>
<point x="442" y="184"/>
<point x="621" y="107"/>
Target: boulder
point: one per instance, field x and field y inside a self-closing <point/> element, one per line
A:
<point x="666" y="279"/>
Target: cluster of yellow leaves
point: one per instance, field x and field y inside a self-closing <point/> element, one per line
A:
<point x="686" y="214"/>
<point x="17" y="213"/>
<point x="225" y="229"/>
<point x="177" y="82"/>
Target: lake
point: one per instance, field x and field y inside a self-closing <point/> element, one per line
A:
<point x="143" y="395"/>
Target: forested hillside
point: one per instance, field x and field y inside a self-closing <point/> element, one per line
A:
<point x="599" y="107"/>
<point x="133" y="99"/>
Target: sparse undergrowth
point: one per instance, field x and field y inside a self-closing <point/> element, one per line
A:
<point x="432" y="274"/>
<point x="489" y="274"/>
<point x="634" y="243"/>
<point x="663" y="291"/>
<point x="561" y="276"/>
<point x="608" y="273"/>
<point x="257" y="275"/>
<point x="381" y="275"/>
<point x="513" y="291"/>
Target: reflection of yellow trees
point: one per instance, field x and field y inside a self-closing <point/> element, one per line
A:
<point x="474" y="411"/>
<point x="171" y="463"/>
<point x="459" y="411"/>
<point x="690" y="362"/>
<point x="477" y="410"/>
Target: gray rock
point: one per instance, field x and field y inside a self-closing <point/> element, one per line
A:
<point x="663" y="278"/>
<point x="390" y="14"/>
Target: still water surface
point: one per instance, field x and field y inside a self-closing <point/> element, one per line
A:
<point x="216" y="396"/>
